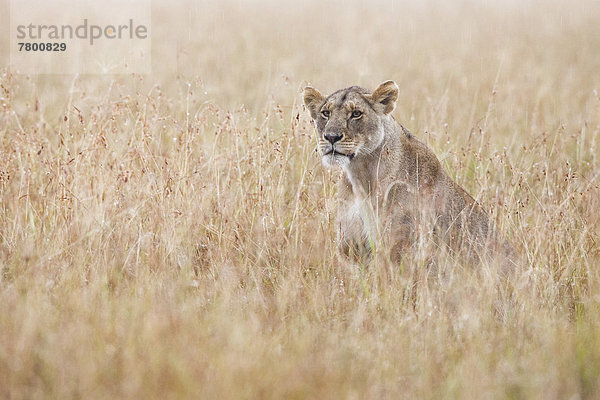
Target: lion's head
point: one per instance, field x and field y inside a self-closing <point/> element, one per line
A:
<point x="350" y="121"/>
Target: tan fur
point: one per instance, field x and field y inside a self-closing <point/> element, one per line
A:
<point x="393" y="186"/>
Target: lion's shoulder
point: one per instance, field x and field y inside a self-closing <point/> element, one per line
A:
<point x="418" y="160"/>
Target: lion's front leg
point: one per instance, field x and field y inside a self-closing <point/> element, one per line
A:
<point x="401" y="235"/>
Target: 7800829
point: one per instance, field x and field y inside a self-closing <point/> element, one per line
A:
<point x="26" y="46"/>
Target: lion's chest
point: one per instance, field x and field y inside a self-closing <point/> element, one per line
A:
<point x="357" y="222"/>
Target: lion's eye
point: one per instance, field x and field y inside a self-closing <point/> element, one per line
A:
<point x="356" y="114"/>
<point x="325" y="113"/>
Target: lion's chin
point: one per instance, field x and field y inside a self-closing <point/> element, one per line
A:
<point x="333" y="160"/>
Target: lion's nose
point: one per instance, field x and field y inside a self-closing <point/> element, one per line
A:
<point x="332" y="137"/>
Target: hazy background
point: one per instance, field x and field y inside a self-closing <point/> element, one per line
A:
<point x="450" y="54"/>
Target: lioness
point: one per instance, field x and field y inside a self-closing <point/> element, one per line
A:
<point x="393" y="186"/>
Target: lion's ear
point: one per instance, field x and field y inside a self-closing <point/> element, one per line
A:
<point x="385" y="96"/>
<point x="313" y="99"/>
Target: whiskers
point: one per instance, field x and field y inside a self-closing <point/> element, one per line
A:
<point x="348" y="148"/>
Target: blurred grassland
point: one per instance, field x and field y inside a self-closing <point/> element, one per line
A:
<point x="172" y="235"/>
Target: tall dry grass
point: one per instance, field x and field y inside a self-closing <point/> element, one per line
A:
<point x="172" y="235"/>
